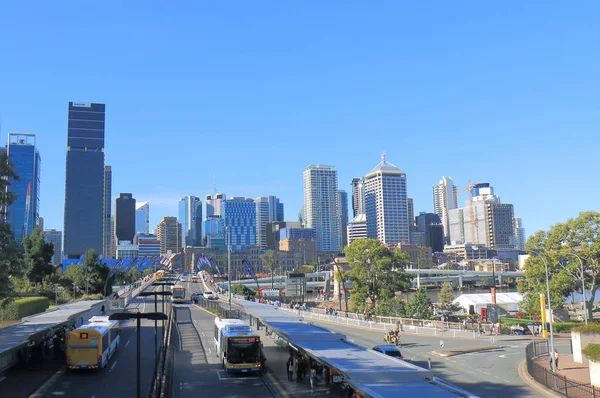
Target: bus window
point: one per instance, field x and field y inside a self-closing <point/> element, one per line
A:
<point x="243" y="350"/>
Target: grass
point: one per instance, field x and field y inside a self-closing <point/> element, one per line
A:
<point x="592" y="352"/>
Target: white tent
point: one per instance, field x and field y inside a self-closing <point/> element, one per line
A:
<point x="508" y="301"/>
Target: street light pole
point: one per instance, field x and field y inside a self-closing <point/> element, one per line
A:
<point x="229" y="263"/>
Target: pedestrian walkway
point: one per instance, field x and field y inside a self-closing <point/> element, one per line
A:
<point x="579" y="372"/>
<point x="276" y="367"/>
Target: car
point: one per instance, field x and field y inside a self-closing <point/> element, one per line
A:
<point x="389" y="350"/>
<point x="196" y="297"/>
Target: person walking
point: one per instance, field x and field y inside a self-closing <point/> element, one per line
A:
<point x="313" y="379"/>
<point x="290" y="369"/>
<point x="555" y="360"/>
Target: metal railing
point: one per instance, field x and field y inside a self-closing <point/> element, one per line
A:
<point x="556" y="382"/>
<point x="217" y="308"/>
<point x="163" y="368"/>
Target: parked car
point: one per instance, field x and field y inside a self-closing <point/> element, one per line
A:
<point x="389" y="350"/>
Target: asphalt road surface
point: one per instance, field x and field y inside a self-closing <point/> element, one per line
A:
<point x="198" y="371"/>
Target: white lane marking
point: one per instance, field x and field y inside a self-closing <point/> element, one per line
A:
<point x="506" y="381"/>
<point x="209" y="351"/>
<point x="470" y="371"/>
<point x="126" y="344"/>
<point x="203" y="335"/>
<point x="113" y="365"/>
<point x="485" y="373"/>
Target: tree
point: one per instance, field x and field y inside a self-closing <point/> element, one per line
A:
<point x="306" y="269"/>
<point x="391" y="307"/>
<point x="38" y="254"/>
<point x="577" y="236"/>
<point x="269" y="260"/>
<point x="419" y="305"/>
<point x="10" y="263"/>
<point x="241" y="289"/>
<point x="445" y="299"/>
<point x="376" y="271"/>
<point x="7" y="174"/>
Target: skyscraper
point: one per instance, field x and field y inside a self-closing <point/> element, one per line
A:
<point x="23" y="214"/>
<point x="342" y="213"/>
<point x="125" y="217"/>
<point x="84" y="183"/>
<point x="430" y="225"/>
<point x="107" y="228"/>
<point x="268" y="209"/>
<point x="169" y="235"/>
<point x="358" y="196"/>
<point x="214" y="203"/>
<point x="55" y="237"/>
<point x="239" y="215"/>
<point x="320" y="206"/>
<point x="411" y="212"/>
<point x="386" y="204"/>
<point x="519" y="233"/>
<point x="142" y="217"/>
<point x="444" y="200"/>
<point x="190" y="217"/>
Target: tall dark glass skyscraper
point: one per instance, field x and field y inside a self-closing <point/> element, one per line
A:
<point x="23" y="214"/>
<point x="84" y="185"/>
<point x="125" y="217"/>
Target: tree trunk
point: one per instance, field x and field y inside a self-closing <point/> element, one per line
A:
<point x="589" y="305"/>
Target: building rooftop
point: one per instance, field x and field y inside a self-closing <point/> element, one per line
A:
<point x="384" y="167"/>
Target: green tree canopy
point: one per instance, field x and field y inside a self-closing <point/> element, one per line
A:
<point x="558" y="246"/>
<point x="419" y="306"/>
<point x="38" y="254"/>
<point x="376" y="271"/>
<point x="445" y="299"/>
<point x="10" y="256"/>
<point x="269" y="260"/>
<point x="92" y="270"/>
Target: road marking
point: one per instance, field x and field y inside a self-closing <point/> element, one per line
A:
<point x="506" y="381"/>
<point x="40" y="392"/>
<point x="470" y="371"/>
<point x="113" y="365"/>
<point x="209" y="351"/>
<point x="203" y="335"/>
<point x="502" y="356"/>
<point x="126" y="344"/>
<point x="485" y="373"/>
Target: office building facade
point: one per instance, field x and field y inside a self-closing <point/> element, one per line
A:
<point x="125" y="217"/>
<point x="190" y="217"/>
<point x="519" y="233"/>
<point x="107" y="234"/>
<point x="126" y="249"/>
<point x="55" y="237"/>
<point x="84" y="183"/>
<point x="358" y="196"/>
<point x="213" y="232"/>
<point x="299" y="240"/>
<point x="320" y="207"/>
<point x="214" y="203"/>
<point x="430" y="225"/>
<point x="444" y="200"/>
<point x="357" y="228"/>
<point x="342" y="213"/>
<point x="148" y="244"/>
<point x="268" y="210"/>
<point x="239" y="218"/>
<point x="273" y="229"/>
<point x="386" y="204"/>
<point x="24" y="213"/>
<point x="142" y="217"/>
<point x="169" y="235"/>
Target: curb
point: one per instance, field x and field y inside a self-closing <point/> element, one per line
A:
<point x="532" y="383"/>
<point x="451" y="353"/>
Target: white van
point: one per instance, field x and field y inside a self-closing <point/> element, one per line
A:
<point x="210" y="295"/>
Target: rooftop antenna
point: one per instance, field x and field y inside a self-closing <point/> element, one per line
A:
<point x="383" y="158"/>
<point x="214" y="186"/>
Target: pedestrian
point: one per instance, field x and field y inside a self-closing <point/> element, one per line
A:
<point x="313" y="379"/>
<point x="290" y="369"/>
<point x="555" y="360"/>
<point x="102" y="310"/>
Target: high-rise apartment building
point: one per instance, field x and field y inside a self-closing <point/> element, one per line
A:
<point x="55" y="237"/>
<point x="214" y="203"/>
<point x="190" y="217"/>
<point x="169" y="235"/>
<point x="519" y="233"/>
<point x="84" y="183"/>
<point x="320" y="207"/>
<point x="358" y="196"/>
<point x="342" y="213"/>
<point x="268" y="209"/>
<point x="357" y="228"/>
<point x="484" y="220"/>
<point x="386" y="204"/>
<point x="125" y="217"/>
<point x="142" y="217"/>
<point x="107" y="234"/>
<point x="444" y="200"/>
<point x="24" y="213"/>
<point x="239" y="217"/>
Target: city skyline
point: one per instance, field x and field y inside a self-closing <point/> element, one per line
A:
<point x="392" y="85"/>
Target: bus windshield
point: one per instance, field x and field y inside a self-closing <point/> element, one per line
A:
<point x="243" y="350"/>
<point x="178" y="293"/>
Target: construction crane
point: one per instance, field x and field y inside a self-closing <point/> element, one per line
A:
<point x="471" y="210"/>
<point x="27" y="207"/>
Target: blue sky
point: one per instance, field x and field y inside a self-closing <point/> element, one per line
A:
<point x="251" y="92"/>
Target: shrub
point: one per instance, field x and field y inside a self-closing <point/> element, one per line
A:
<point x="514" y="321"/>
<point x="592" y="351"/>
<point x="23" y="307"/>
<point x="97" y="296"/>
<point x="592" y="328"/>
<point x="561" y="327"/>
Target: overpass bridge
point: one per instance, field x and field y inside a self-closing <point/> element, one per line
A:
<point x="317" y="280"/>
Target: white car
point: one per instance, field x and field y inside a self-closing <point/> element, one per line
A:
<point x="210" y="295"/>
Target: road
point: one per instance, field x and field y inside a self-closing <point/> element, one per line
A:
<point x="118" y="379"/>
<point x="486" y="374"/>
<point x="198" y="371"/>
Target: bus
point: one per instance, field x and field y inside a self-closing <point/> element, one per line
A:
<point x="160" y="274"/>
<point x="178" y="294"/>
<point x="237" y="346"/>
<point x="91" y="345"/>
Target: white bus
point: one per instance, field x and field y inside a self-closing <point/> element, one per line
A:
<point x="91" y="345"/>
<point x="237" y="346"/>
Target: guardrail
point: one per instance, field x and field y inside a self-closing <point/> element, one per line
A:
<point x="556" y="382"/>
<point x="163" y="369"/>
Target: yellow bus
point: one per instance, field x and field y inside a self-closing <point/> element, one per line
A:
<point x="91" y="345"/>
<point x="178" y="294"/>
<point x="160" y="274"/>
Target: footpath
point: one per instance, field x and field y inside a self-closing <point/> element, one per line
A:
<point x="579" y="372"/>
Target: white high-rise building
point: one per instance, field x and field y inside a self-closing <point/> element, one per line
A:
<point x="357" y="228"/>
<point x="320" y="206"/>
<point x="444" y="200"/>
<point x="142" y="217"/>
<point x="268" y="209"/>
<point x="358" y="196"/>
<point x="519" y="233"/>
<point x="386" y="204"/>
<point x="214" y="203"/>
